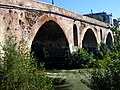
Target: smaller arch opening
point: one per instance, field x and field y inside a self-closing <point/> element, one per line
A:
<point x="75" y="35"/>
<point x="101" y="34"/>
<point x="89" y="41"/>
<point x="109" y="39"/>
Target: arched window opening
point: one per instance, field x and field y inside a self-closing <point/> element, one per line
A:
<point x="75" y="35"/>
<point x="101" y="35"/>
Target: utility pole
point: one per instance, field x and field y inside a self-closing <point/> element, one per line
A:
<point x="52" y="2"/>
<point x="91" y="11"/>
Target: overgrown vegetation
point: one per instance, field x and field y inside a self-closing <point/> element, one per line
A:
<point x="100" y="18"/>
<point x="18" y="69"/>
<point x="106" y="76"/>
<point x="80" y="59"/>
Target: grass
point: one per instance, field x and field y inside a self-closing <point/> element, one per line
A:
<point x="72" y="77"/>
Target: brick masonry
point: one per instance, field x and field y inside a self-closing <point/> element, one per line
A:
<point x="23" y="18"/>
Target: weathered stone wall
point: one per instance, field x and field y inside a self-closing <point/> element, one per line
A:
<point x="16" y="2"/>
<point x="52" y="8"/>
<point x="24" y="18"/>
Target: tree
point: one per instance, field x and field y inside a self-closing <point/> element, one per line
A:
<point x="81" y="58"/>
<point x="107" y="76"/>
<point x="18" y="69"/>
<point x="100" y="18"/>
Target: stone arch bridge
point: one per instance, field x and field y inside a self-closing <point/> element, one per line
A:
<point x="55" y="29"/>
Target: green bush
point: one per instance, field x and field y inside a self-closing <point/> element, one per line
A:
<point x="81" y="59"/>
<point x="1" y="75"/>
<point x="107" y="76"/>
<point x="18" y="70"/>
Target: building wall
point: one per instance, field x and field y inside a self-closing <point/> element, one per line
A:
<point x="107" y="18"/>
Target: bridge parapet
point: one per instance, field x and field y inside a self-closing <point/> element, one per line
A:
<point x="66" y="13"/>
<point x="48" y="8"/>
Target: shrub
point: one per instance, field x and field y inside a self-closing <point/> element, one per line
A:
<point x="1" y="75"/>
<point x="107" y="76"/>
<point x="19" y="70"/>
<point x="81" y="58"/>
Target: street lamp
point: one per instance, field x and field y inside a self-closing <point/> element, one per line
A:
<point x="52" y="2"/>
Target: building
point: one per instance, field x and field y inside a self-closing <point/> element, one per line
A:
<point x="116" y="23"/>
<point x="103" y="16"/>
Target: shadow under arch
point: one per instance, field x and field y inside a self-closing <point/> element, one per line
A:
<point x="89" y="41"/>
<point x="101" y="35"/>
<point x="50" y="45"/>
<point x="109" y="40"/>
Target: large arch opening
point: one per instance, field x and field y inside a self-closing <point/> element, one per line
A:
<point x="75" y="35"/>
<point x="50" y="45"/>
<point x="109" y="39"/>
<point x="89" y="41"/>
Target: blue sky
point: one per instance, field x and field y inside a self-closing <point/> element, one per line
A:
<point x="85" y="6"/>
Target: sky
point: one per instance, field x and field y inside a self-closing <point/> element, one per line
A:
<point x="85" y="6"/>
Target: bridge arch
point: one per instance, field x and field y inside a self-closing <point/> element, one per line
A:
<point x="41" y="20"/>
<point x="49" y="39"/>
<point x="89" y="38"/>
<point x="109" y="40"/>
